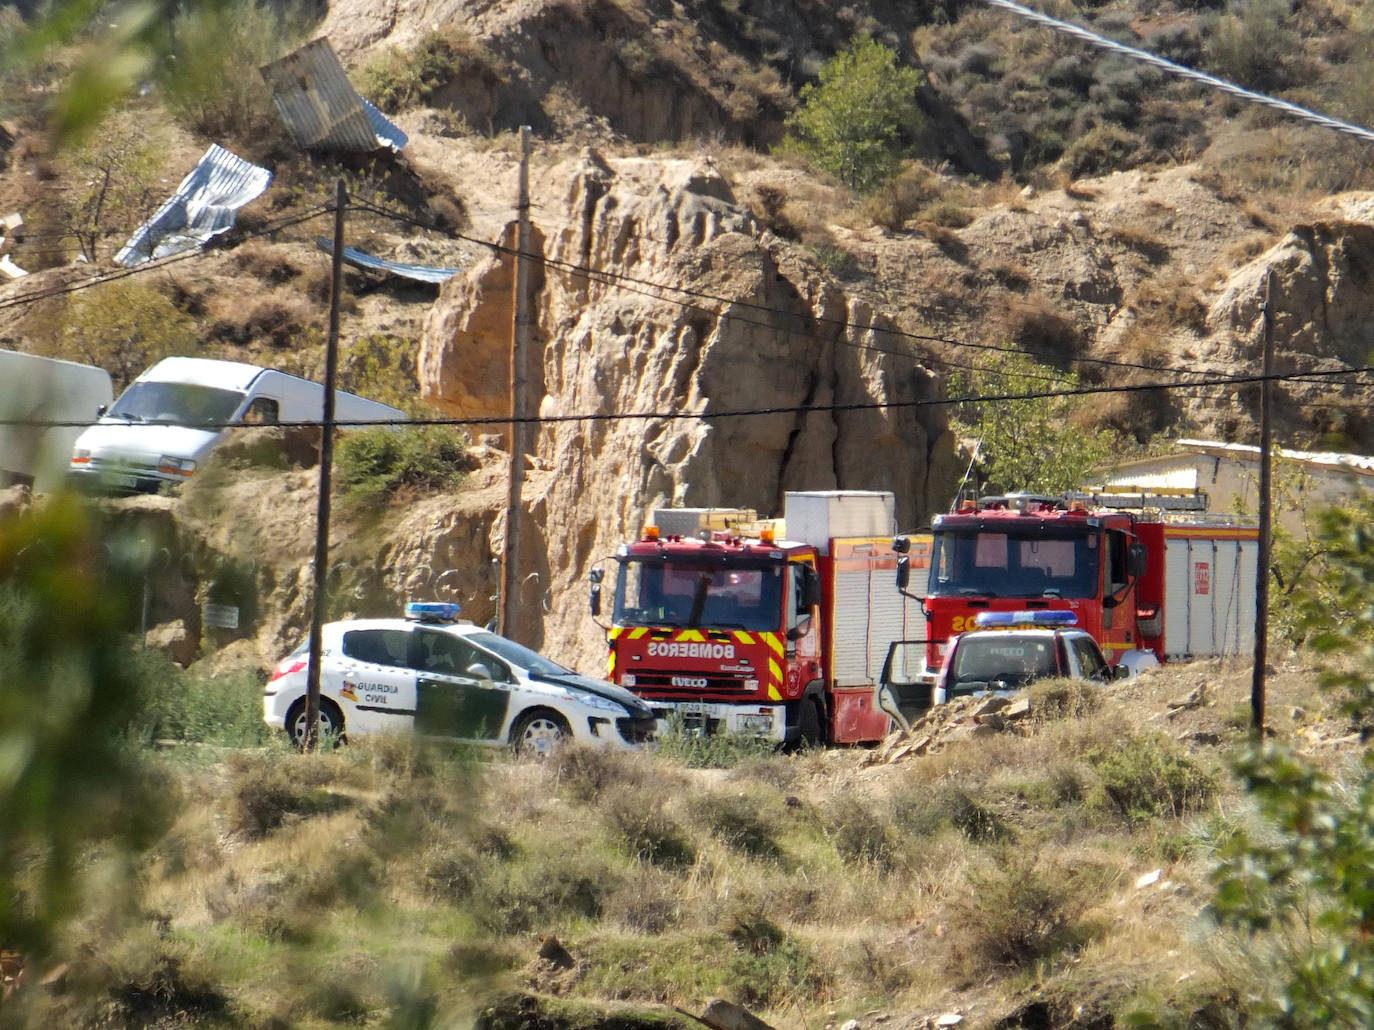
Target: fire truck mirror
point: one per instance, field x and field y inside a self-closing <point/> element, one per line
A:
<point x="1136" y="560"/>
<point x="811" y="587"/>
<point x="800" y="629"/>
<point x="594" y="576"/>
<point x="903" y="572"/>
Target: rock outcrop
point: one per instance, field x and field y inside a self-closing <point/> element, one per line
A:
<point x="685" y="357"/>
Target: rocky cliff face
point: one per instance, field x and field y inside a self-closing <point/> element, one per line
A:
<point x="684" y="357"/>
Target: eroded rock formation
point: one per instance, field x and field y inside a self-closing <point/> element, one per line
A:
<point x="686" y="357"/>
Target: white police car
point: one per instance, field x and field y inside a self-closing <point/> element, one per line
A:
<point x="444" y="678"/>
<point x="1009" y="650"/>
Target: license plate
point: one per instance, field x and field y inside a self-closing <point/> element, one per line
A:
<point x="124" y="482"/>
<point x="691" y="708"/>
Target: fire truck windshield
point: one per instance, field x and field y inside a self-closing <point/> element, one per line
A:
<point x="707" y="595"/>
<point x="1015" y="561"/>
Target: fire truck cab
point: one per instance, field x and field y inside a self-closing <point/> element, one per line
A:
<point x="724" y="622"/>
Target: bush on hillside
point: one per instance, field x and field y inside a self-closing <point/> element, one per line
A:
<point x="211" y="77"/>
<point x="855" y="122"/>
<point x="397" y="79"/>
<point x="123" y="326"/>
<point x="373" y="464"/>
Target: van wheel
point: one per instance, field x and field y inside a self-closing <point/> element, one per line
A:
<point x="331" y="723"/>
<point x="810" y="723"/>
<point x="537" y="733"/>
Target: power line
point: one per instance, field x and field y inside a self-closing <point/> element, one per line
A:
<point x="710" y="416"/>
<point x="620" y="281"/>
<point x="1282" y="106"/>
<point x="100" y="279"/>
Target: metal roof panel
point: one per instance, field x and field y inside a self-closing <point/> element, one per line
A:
<point x="203" y="206"/>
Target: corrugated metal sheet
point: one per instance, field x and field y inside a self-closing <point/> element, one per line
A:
<point x="203" y="206"/>
<point x="321" y="108"/>
<point x="421" y="273"/>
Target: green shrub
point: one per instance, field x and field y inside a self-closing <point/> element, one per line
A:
<point x="541" y="892"/>
<point x="193" y="708"/>
<point x="396" y="79"/>
<point x="587" y="773"/>
<point x="376" y="462"/>
<point x="855" y="122"/>
<point x="1250" y="44"/>
<point x="647" y="832"/>
<point x="860" y="836"/>
<point x="1100" y="150"/>
<point x="1148" y="776"/>
<point x="268" y="791"/>
<point x="123" y="326"/>
<point x="383" y="368"/>
<point x="740" y="821"/>
<point x="925" y="813"/>
<point x="1015" y="913"/>
<point x="709" y="750"/>
<point x="211" y="80"/>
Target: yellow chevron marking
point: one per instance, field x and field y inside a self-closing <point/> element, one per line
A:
<point x="774" y="694"/>
<point x="743" y="636"/>
<point x="774" y="673"/>
<point x="638" y="632"/>
<point x="691" y="635"/>
<point x="774" y="641"/>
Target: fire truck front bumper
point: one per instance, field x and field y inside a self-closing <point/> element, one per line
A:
<point x="705" y="718"/>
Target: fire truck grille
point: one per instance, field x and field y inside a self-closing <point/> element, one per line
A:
<point x="670" y="686"/>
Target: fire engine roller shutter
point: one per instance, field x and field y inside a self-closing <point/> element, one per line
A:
<point x="869" y="610"/>
<point x="1210" y="591"/>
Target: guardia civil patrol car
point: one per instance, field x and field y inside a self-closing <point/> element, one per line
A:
<point x="441" y="677"/>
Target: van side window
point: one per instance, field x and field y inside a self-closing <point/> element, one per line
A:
<point x="262" y="412"/>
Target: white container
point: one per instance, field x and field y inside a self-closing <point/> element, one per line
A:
<point x="818" y="516"/>
<point x="36" y="389"/>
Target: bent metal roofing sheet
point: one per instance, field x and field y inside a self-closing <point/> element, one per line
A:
<point x="203" y="206"/>
<point x="320" y="107"/>
<point x="360" y="259"/>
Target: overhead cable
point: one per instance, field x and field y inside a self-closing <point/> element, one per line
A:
<point x="1102" y="42"/>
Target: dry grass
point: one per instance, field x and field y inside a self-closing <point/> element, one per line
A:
<point x="797" y="885"/>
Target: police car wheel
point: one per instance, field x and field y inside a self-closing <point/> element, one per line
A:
<point x="331" y="723"/>
<point x="537" y="733"/>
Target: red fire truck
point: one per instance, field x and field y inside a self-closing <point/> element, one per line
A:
<point x="1148" y="587"/>
<point x="776" y="628"/>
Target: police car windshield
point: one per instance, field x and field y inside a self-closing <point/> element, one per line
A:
<point x="1002" y="655"/>
<point x="1014" y="561"/>
<point x="180" y="404"/>
<point x="519" y="655"/>
<point x="705" y="595"/>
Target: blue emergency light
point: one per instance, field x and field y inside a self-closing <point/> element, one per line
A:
<point x="432" y="611"/>
<point x="1039" y="619"/>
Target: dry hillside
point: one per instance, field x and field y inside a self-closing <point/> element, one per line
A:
<point x="1094" y="215"/>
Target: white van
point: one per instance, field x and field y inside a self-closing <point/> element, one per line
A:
<point x="40" y="390"/>
<point x="163" y="426"/>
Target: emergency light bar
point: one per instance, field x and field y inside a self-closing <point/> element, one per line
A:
<point x="1047" y="619"/>
<point x="432" y="611"/>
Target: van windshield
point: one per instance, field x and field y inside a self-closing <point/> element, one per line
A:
<point x="178" y="404"/>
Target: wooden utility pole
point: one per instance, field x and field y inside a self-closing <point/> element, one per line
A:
<point x="331" y="363"/>
<point x="1265" y="510"/>
<point x="520" y="338"/>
